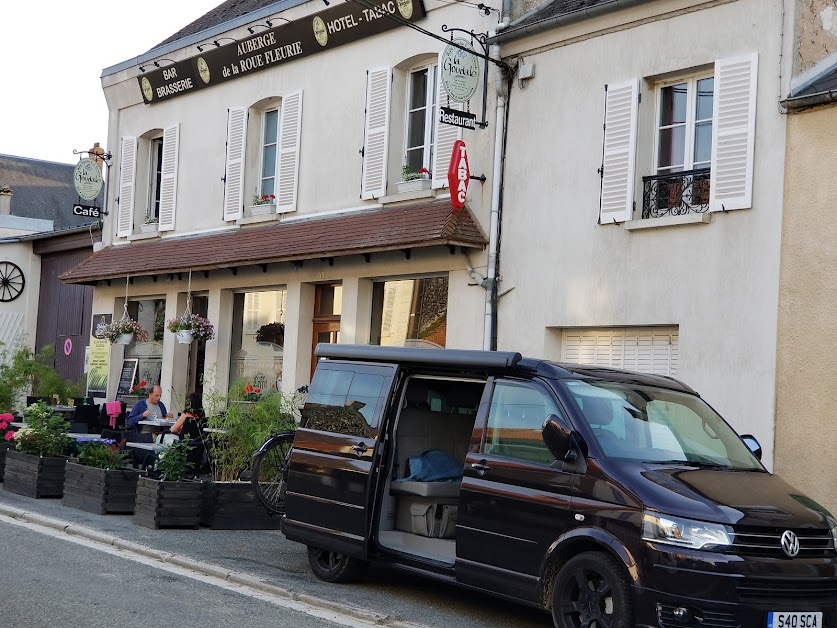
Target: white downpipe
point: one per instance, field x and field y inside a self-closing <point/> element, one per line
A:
<point x="494" y="225"/>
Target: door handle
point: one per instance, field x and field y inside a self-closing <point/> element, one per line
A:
<point x="480" y="467"/>
<point x="360" y="448"/>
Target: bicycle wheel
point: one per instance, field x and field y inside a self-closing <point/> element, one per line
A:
<point x="270" y="473"/>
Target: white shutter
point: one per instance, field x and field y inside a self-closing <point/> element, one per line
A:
<point x="127" y="183"/>
<point x="643" y="349"/>
<point x="234" y="170"/>
<point x="733" y="133"/>
<point x="445" y="135"/>
<point x="168" y="183"/>
<point x="617" y="194"/>
<point x="376" y="133"/>
<point x="287" y="177"/>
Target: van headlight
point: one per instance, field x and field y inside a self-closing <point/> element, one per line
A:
<point x="681" y="532"/>
<point x="832" y="523"/>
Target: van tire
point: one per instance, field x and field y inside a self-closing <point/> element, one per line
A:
<point x="333" y="567"/>
<point x="608" y="594"/>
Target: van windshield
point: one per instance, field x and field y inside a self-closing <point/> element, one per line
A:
<point x="656" y="425"/>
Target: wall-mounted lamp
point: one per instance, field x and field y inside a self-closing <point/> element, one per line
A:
<point x="270" y="20"/>
<point x="326" y="2"/>
<point x="201" y="47"/>
<point x="251" y="29"/>
<point x="156" y="64"/>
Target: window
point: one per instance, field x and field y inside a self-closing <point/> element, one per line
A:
<point x="155" y="178"/>
<point x="644" y="349"/>
<point x="148" y="163"/>
<point x="258" y="337"/>
<point x="150" y="314"/>
<point x="703" y="135"/>
<point x="421" y="115"/>
<point x="684" y="133"/>
<point x="410" y="312"/>
<point x="344" y="401"/>
<point x="515" y="421"/>
<point x="270" y="140"/>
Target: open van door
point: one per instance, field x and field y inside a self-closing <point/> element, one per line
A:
<point x="330" y="481"/>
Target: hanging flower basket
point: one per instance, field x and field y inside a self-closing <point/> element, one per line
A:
<point x="184" y="336"/>
<point x="200" y="327"/>
<point x="124" y="331"/>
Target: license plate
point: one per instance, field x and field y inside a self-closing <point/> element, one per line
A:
<point x="794" y="620"/>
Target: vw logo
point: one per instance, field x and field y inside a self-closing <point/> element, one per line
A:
<point x="790" y="543"/>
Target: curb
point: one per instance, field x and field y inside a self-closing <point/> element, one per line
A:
<point x="207" y="569"/>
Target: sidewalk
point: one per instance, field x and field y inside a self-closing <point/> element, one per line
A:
<point x="264" y="559"/>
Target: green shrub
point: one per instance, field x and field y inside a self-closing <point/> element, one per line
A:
<point x="173" y="461"/>
<point x="21" y="370"/>
<point x="102" y="453"/>
<point x="46" y="434"/>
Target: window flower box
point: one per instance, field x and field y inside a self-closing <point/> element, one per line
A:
<point x="263" y="209"/>
<point x="151" y="228"/>
<point x="414" y="185"/>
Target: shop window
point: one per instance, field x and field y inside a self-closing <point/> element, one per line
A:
<point x="258" y="338"/>
<point x="151" y="315"/>
<point x="410" y="312"/>
<point x="421" y="114"/>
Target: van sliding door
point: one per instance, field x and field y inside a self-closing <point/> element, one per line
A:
<point x="329" y="495"/>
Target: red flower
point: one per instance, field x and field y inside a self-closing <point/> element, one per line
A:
<point x="248" y="388"/>
<point x="9" y="436"/>
<point x="143" y="383"/>
<point x="258" y="391"/>
<point x="423" y="171"/>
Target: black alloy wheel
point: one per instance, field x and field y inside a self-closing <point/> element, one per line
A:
<point x="333" y="567"/>
<point x="592" y="591"/>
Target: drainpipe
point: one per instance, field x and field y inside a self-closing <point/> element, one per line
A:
<point x="490" y="284"/>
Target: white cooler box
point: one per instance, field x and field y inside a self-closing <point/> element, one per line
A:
<point x="427" y="517"/>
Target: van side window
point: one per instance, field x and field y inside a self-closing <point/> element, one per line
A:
<point x="515" y="420"/>
<point x="343" y="401"/>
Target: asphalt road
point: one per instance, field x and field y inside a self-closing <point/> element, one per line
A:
<point x="269" y="557"/>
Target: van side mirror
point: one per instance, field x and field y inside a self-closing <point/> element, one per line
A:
<point x="557" y="437"/>
<point x="752" y="444"/>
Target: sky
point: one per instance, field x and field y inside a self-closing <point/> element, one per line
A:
<point x="52" y="54"/>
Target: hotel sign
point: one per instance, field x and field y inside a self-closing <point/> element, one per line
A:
<point x="342" y="24"/>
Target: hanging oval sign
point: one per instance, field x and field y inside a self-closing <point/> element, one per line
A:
<point x="460" y="71"/>
<point x="87" y="178"/>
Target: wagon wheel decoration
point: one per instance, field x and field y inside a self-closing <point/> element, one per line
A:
<point x="11" y="281"/>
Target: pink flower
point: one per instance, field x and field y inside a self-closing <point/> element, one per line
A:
<point x="6" y="417"/>
<point x="3" y="425"/>
<point x="10" y="436"/>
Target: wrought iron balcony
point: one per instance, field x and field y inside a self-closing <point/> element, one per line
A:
<point x="676" y="194"/>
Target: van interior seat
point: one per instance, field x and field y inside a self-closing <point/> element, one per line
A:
<point x="420" y="429"/>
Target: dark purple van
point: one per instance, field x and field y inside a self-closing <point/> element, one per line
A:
<point x="608" y="498"/>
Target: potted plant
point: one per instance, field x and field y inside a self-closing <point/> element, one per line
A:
<point x="413" y="180"/>
<point x="35" y="467"/>
<point x="124" y="331"/>
<point x="271" y="333"/>
<point x="228" y="502"/>
<point x="264" y="204"/>
<point x="170" y="500"/>
<point x="190" y="326"/>
<point x="99" y="480"/>
<point x="150" y="225"/>
<point x="7" y="436"/>
<point x="138" y="391"/>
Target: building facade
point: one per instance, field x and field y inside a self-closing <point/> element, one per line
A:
<point x="258" y="156"/>
<point x="806" y="393"/>
<point x="643" y="193"/>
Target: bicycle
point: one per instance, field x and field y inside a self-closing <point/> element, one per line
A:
<point x="269" y="469"/>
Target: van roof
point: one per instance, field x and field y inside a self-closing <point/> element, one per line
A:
<point x="511" y="363"/>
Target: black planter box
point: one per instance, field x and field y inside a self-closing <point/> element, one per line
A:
<point x="167" y="504"/>
<point x="234" y="506"/>
<point x="3" y="447"/>
<point x="34" y="476"/>
<point x="101" y="491"/>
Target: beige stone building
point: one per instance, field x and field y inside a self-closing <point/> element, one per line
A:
<point x="806" y="368"/>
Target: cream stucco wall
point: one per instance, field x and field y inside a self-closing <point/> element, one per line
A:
<point x="806" y="430"/>
<point x="717" y="281"/>
<point x="18" y="318"/>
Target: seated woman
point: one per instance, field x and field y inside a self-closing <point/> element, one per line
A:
<point x="190" y="423"/>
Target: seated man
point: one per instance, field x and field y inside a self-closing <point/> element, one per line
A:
<point x="151" y="408"/>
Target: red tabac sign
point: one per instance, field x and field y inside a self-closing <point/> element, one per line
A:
<point x="459" y="175"/>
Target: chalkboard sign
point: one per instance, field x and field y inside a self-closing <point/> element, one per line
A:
<point x="126" y="377"/>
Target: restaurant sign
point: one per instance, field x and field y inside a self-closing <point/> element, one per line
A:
<point x="341" y="24"/>
<point x="87" y="179"/>
<point x="460" y="71"/>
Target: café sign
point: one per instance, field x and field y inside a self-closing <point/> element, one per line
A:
<point x="340" y="24"/>
<point x="87" y="179"/>
<point x="460" y="71"/>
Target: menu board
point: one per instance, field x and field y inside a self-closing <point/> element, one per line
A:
<point x="126" y="376"/>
